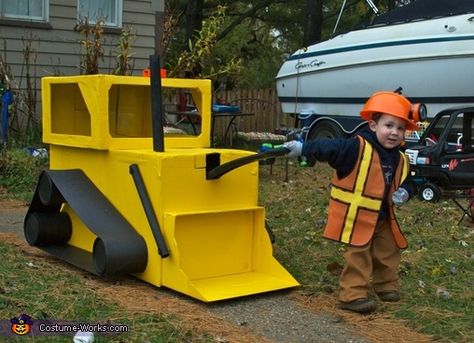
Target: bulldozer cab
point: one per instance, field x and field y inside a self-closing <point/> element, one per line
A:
<point x="114" y="112"/>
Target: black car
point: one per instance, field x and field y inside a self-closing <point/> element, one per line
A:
<point x="443" y="159"/>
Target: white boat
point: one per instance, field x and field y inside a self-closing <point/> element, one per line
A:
<point x="432" y="59"/>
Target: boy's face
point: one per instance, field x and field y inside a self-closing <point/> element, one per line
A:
<point x="389" y="130"/>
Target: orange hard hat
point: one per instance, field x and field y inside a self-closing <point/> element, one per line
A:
<point x="396" y="105"/>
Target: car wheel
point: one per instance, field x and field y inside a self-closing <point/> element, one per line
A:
<point x="429" y="192"/>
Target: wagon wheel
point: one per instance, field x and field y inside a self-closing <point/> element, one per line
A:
<point x="429" y="192"/>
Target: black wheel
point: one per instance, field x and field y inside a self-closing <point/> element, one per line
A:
<point x="99" y="256"/>
<point x="429" y="192"/>
<point x="325" y="129"/>
<point x="47" y="228"/>
<point x="48" y="194"/>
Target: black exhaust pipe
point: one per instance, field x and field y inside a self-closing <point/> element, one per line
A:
<point x="157" y="117"/>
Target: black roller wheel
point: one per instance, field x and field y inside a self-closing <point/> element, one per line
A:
<point x="47" y="228"/>
<point x="100" y="257"/>
<point x="429" y="192"/>
<point x="48" y="194"/>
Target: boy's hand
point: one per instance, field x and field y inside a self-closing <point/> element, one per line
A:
<point x="400" y="196"/>
<point x="295" y="148"/>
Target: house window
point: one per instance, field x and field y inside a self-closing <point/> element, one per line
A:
<point x="110" y="11"/>
<point x="31" y="10"/>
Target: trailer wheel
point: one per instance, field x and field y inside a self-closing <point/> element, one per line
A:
<point x="325" y="129"/>
<point x="429" y="192"/>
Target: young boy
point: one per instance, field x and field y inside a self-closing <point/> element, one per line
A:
<point x="369" y="169"/>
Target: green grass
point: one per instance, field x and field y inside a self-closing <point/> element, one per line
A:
<point x="437" y="270"/>
<point x="44" y="291"/>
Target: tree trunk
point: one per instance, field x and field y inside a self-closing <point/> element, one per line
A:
<point x="313" y="22"/>
<point x="193" y="24"/>
<point x="193" y="16"/>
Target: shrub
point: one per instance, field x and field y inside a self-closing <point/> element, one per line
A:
<point x="19" y="172"/>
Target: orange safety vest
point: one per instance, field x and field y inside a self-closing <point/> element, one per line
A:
<point x="356" y="200"/>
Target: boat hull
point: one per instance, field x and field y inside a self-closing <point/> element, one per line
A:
<point x="337" y="76"/>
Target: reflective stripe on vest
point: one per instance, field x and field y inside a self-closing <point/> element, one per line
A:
<point x="405" y="167"/>
<point x="356" y="199"/>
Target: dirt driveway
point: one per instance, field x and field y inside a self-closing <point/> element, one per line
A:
<point x="287" y="317"/>
<point x="12" y="213"/>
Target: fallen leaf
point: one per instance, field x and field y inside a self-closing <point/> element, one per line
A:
<point x="442" y="293"/>
<point x="436" y="271"/>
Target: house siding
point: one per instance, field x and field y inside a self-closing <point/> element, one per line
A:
<point x="56" y="49"/>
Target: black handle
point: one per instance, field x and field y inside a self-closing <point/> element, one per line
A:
<point x="217" y="172"/>
<point x="150" y="213"/>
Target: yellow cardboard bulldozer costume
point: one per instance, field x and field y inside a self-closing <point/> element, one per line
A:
<point x="115" y="201"/>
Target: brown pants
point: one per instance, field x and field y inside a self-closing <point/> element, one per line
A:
<point x="378" y="259"/>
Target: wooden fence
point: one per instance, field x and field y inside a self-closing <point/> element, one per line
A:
<point x="263" y="103"/>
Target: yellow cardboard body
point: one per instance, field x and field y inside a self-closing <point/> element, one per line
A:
<point x="214" y="229"/>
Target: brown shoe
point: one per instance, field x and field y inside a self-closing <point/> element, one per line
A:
<point x="390" y="296"/>
<point x="363" y="305"/>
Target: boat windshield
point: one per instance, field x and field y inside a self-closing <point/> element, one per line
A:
<point x="422" y="9"/>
